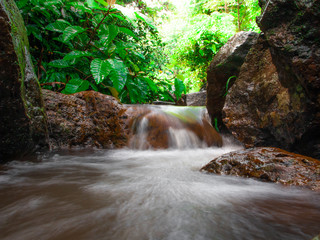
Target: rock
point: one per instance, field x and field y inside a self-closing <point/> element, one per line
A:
<point x="224" y="65"/>
<point x="23" y="125"/>
<point x="292" y="29"/>
<point x="197" y="99"/>
<point x="85" y="119"/>
<point x="269" y="164"/>
<point x="258" y="109"/>
<point x="182" y="101"/>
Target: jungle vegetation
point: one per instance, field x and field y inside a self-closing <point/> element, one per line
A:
<point x="138" y="51"/>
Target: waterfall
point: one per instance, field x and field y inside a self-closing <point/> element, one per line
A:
<point x="163" y="127"/>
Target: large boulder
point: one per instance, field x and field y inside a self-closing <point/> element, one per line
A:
<point x="223" y="67"/>
<point x="23" y="126"/>
<point x="85" y="119"/>
<point x="269" y="164"/>
<point x="292" y="29"/>
<point x="258" y="110"/>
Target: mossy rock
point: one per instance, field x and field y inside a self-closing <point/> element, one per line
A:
<point x="23" y="124"/>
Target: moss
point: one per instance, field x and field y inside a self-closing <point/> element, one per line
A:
<point x="19" y="39"/>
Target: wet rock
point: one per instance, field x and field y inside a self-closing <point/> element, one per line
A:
<point x="269" y="164"/>
<point x="226" y="64"/>
<point x="85" y="119"/>
<point x="258" y="110"/>
<point x="205" y="132"/>
<point x="23" y="126"/>
<point x="292" y="29"/>
<point x="197" y="99"/>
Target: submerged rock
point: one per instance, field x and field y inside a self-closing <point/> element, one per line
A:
<point x="224" y="66"/>
<point x="23" y="125"/>
<point x="292" y="30"/>
<point x="85" y="119"/>
<point x="269" y="164"/>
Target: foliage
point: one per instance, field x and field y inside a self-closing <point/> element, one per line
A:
<point x="210" y="23"/>
<point x="227" y="84"/>
<point x="98" y="45"/>
<point x="243" y="11"/>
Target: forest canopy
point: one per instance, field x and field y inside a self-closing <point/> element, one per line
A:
<point x="137" y="51"/>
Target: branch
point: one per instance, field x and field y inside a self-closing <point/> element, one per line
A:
<point x="97" y="27"/>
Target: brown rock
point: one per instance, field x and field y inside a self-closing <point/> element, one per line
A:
<point x="197" y="98"/>
<point x="85" y="119"/>
<point x="224" y="65"/>
<point x="23" y="125"/>
<point x="269" y="164"/>
<point x="292" y="29"/>
<point x="258" y="109"/>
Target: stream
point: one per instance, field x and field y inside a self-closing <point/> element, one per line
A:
<point x="132" y="194"/>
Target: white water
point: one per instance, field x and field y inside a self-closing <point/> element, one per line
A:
<point x="138" y="195"/>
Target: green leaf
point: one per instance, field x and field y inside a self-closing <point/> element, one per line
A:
<point x="139" y="55"/>
<point x="35" y="31"/>
<point x="92" y="4"/>
<point x="103" y="3"/>
<point x="181" y="77"/>
<point x="216" y="124"/>
<point x="114" y="92"/>
<point x="119" y="17"/>
<point x="81" y="6"/>
<point x="60" y="63"/>
<point x="179" y="88"/>
<point x="227" y="85"/>
<point x="134" y="92"/>
<point x="128" y="32"/>
<point x="99" y="69"/>
<point x="214" y="48"/>
<point x="128" y="13"/>
<point x="145" y="19"/>
<point x="118" y="74"/>
<point x="113" y="32"/>
<point x="58" y="26"/>
<point x="76" y="85"/>
<point x="94" y="87"/>
<point x="84" y="86"/>
<point x="76" y="54"/>
<point x="70" y="32"/>
<point x="151" y="84"/>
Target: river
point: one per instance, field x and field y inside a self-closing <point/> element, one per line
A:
<point x="145" y="194"/>
<point x="136" y="195"/>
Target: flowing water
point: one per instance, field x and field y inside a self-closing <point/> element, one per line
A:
<point x="147" y="194"/>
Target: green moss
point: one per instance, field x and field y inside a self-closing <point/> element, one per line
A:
<point x="19" y="39"/>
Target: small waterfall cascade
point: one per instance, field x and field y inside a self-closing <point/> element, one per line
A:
<point x="162" y="127"/>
